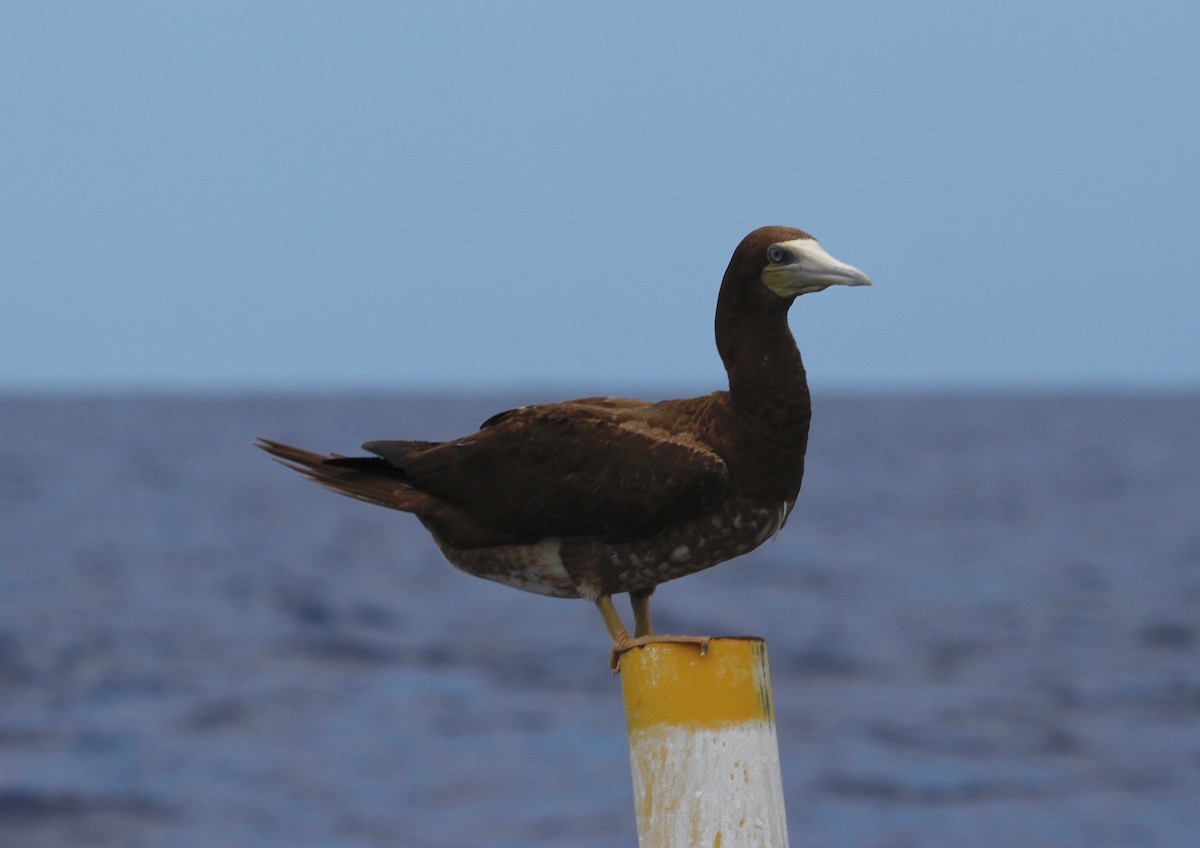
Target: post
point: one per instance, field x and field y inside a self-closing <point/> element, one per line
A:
<point x="702" y="745"/>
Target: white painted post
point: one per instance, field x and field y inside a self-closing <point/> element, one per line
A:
<point x="702" y="745"/>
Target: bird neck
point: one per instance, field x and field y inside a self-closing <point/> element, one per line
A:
<point x="766" y="375"/>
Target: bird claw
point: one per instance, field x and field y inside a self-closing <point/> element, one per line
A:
<point x="614" y="661"/>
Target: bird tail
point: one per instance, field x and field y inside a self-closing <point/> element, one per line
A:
<point x="368" y="479"/>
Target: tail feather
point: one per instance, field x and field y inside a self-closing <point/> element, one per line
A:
<point x="367" y="479"/>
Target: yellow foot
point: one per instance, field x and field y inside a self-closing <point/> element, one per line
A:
<point x="628" y="644"/>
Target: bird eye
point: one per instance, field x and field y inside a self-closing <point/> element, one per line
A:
<point x="778" y="255"/>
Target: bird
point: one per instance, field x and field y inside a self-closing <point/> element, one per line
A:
<point x="600" y="496"/>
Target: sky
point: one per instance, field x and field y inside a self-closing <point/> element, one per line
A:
<point x="281" y="197"/>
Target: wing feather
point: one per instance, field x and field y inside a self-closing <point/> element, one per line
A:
<point x="594" y="467"/>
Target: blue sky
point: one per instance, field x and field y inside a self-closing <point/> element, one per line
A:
<point x="289" y="196"/>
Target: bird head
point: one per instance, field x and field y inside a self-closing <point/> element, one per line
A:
<point x="794" y="263"/>
<point x="774" y="265"/>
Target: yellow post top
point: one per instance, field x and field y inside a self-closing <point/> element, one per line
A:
<point x="673" y="683"/>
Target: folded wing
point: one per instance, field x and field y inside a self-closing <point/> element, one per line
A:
<point x="599" y="467"/>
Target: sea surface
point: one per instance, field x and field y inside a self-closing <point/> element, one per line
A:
<point x="983" y="622"/>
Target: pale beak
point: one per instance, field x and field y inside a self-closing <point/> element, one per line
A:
<point x="815" y="266"/>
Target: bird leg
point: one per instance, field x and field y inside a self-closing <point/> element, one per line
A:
<point x="641" y="611"/>
<point x="616" y="630"/>
<point x="640" y="601"/>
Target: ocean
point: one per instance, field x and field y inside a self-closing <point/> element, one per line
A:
<point x="983" y="622"/>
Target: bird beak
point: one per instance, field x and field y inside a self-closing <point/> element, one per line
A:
<point x="812" y="269"/>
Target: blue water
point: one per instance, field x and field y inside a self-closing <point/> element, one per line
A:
<point x="983" y="619"/>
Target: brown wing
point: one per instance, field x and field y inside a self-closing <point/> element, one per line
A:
<point x="574" y="469"/>
<point x="588" y="404"/>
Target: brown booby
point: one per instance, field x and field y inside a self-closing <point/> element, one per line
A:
<point x="593" y="497"/>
